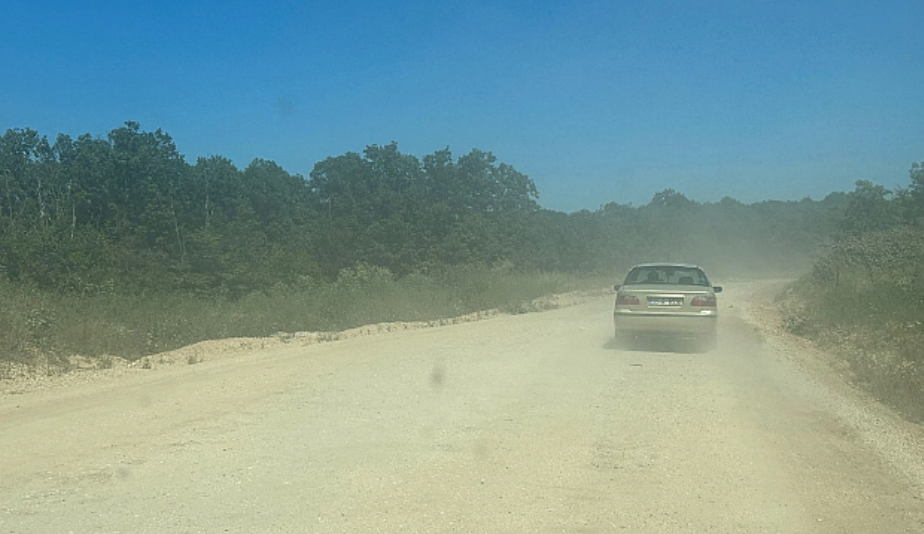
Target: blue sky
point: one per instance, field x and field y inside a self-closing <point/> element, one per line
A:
<point x="596" y="101"/>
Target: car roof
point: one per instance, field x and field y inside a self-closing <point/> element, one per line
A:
<point x="683" y="265"/>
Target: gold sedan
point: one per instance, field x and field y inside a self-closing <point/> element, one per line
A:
<point x="667" y="301"/>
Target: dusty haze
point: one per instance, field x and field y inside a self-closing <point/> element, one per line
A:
<point x="529" y="422"/>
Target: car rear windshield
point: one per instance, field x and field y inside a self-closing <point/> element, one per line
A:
<point x="666" y="274"/>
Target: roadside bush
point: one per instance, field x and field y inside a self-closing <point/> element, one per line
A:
<point x="865" y="300"/>
<point x="132" y="326"/>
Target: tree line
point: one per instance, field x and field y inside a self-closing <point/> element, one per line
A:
<point x="880" y="236"/>
<point x="128" y="213"/>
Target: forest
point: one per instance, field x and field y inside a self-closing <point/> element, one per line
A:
<point x="119" y="245"/>
<point x="128" y="214"/>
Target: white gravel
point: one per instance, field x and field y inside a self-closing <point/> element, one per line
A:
<point x="526" y="423"/>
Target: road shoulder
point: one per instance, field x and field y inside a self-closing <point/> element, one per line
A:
<point x="899" y="442"/>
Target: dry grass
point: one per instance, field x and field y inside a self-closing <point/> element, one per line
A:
<point x="874" y="323"/>
<point x="49" y="329"/>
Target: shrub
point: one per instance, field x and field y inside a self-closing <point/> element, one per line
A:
<point x="865" y="300"/>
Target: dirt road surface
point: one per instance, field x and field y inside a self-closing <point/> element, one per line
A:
<point x="524" y="423"/>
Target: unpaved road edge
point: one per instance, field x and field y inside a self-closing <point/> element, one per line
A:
<point x="898" y="441"/>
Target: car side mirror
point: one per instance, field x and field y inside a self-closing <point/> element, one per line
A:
<point x="717" y="289"/>
<point x="616" y="287"/>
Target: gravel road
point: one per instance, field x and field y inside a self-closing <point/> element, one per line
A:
<point x="524" y="423"/>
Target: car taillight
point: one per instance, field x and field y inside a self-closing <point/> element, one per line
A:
<point x="627" y="300"/>
<point x="703" y="301"/>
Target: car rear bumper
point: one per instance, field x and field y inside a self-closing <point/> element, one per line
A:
<point x="665" y="324"/>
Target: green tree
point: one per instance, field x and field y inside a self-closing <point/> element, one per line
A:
<point x="668" y="198"/>
<point x="869" y="209"/>
<point x="913" y="197"/>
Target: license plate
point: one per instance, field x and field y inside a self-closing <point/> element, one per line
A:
<point x="660" y="301"/>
